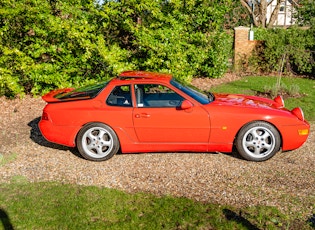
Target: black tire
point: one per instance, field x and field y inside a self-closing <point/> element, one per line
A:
<point x="97" y="142"/>
<point x="258" y="141"/>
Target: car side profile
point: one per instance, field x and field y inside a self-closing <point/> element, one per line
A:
<point x="140" y="111"/>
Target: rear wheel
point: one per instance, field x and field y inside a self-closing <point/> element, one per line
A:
<point x="97" y="142"/>
<point x="258" y="141"/>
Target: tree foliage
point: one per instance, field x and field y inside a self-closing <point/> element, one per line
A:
<point x="306" y="13"/>
<point x="47" y="44"/>
<point x="290" y="50"/>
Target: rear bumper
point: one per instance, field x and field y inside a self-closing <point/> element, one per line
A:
<point x="63" y="135"/>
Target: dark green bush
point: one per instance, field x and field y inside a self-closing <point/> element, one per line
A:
<point x="47" y="44"/>
<point x="290" y="50"/>
<point x="184" y="38"/>
<point x="53" y="44"/>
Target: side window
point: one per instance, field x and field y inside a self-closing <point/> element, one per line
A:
<point x="153" y="95"/>
<point x="120" y="96"/>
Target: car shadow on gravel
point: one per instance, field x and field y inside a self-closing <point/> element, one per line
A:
<point x="37" y="137"/>
<point x="233" y="154"/>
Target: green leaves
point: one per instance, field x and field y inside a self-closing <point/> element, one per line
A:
<point x="47" y="44"/>
<point x="53" y="44"/>
<point x="114" y="59"/>
<point x="181" y="39"/>
<point x="290" y="48"/>
<point x="306" y="12"/>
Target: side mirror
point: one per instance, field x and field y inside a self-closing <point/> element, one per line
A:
<point x="186" y="105"/>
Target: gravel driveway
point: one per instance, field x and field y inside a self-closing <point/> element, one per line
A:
<point x="287" y="181"/>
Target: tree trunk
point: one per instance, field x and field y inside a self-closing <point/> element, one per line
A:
<point x="263" y="12"/>
<point x="259" y="14"/>
<point x="245" y="4"/>
<point x="275" y="13"/>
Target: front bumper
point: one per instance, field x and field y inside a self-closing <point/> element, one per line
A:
<point x="294" y="136"/>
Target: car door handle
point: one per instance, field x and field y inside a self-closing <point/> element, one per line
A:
<point x="143" y="115"/>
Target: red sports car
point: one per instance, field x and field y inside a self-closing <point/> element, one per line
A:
<point x="151" y="112"/>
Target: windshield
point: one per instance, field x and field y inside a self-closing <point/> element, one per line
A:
<point x="86" y="92"/>
<point x="198" y="96"/>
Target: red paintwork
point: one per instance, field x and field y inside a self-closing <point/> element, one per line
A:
<point x="145" y="75"/>
<point x="194" y="127"/>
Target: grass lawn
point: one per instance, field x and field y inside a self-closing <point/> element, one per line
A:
<point x="64" y="206"/>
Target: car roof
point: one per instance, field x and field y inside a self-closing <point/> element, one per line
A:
<point x="144" y="75"/>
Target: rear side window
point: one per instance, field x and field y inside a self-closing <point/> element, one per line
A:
<point x="86" y="92"/>
<point x="120" y="96"/>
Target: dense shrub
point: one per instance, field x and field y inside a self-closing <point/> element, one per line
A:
<point x="184" y="38"/>
<point x="290" y="50"/>
<point x="46" y="44"/>
<point x="305" y="13"/>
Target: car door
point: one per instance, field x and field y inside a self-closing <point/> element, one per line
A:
<point x="159" y="118"/>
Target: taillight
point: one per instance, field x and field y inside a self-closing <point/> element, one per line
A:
<point x="45" y="116"/>
<point x="298" y="112"/>
<point x="279" y="100"/>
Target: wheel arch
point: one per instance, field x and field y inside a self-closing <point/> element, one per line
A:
<point x="250" y="122"/>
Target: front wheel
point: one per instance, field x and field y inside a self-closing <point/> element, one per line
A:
<point x="258" y="141"/>
<point x="97" y="142"/>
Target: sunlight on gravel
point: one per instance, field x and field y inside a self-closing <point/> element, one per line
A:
<point x="287" y="181"/>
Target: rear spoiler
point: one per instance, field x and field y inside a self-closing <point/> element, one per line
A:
<point x="51" y="96"/>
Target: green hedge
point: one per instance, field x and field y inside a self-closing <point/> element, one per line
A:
<point x="47" y="44"/>
<point x="290" y="50"/>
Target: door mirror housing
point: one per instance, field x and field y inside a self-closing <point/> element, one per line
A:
<point x="186" y="105"/>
